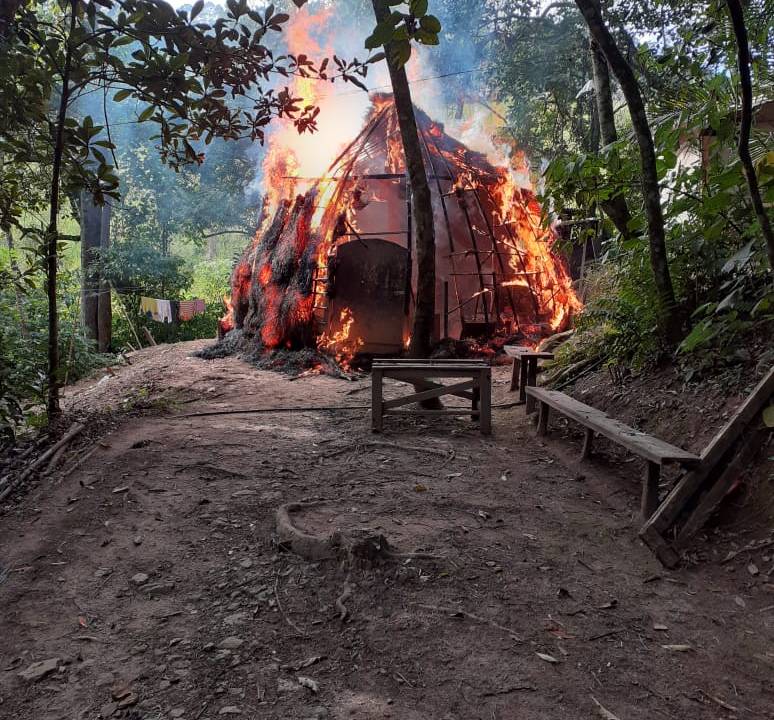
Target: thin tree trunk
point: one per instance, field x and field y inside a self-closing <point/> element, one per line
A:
<point x="52" y="234"/>
<point x="736" y="12"/>
<point x="104" y="306"/>
<point x="669" y="319"/>
<point x="424" y="312"/>
<point x="91" y="229"/>
<point x="616" y="208"/>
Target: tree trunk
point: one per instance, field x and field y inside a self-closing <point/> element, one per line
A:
<point x="669" y="318"/>
<point x="736" y="13"/>
<point x="104" y="307"/>
<point x="91" y="229"/>
<point x="52" y="233"/>
<point x="424" y="312"/>
<point x="616" y="208"/>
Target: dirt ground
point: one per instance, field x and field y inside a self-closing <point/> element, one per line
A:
<point x="151" y="577"/>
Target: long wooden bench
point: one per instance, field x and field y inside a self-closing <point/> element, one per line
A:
<point x="656" y="452"/>
<point x="476" y="387"/>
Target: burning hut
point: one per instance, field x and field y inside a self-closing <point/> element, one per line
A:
<point x="331" y="265"/>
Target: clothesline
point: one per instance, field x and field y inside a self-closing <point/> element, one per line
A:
<point x="171" y="311"/>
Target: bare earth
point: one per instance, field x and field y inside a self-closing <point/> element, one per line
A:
<point x="542" y="604"/>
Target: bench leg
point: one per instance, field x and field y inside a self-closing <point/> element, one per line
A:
<point x="485" y="412"/>
<point x="531" y="382"/>
<point x="650" y="485"/>
<point x="588" y="440"/>
<point x="543" y="412"/>
<point x="376" y="400"/>
<point x="522" y="381"/>
<point x="475" y="412"/>
<point x="515" y="370"/>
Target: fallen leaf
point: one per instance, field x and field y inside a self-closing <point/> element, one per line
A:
<point x="602" y="711"/>
<point x="308" y="683"/>
<point x="420" y="488"/>
<point x="677" y="648"/>
<point x="660" y="627"/>
<point x="547" y="658"/>
<point x="752" y="568"/>
<point x="741" y="603"/>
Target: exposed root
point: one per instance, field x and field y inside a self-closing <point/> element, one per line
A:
<point x="477" y="618"/>
<point x="282" y="612"/>
<point x="361" y="545"/>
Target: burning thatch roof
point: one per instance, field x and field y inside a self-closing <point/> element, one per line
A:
<point x="297" y="282"/>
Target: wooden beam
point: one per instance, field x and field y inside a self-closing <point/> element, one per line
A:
<point x="677" y="499"/>
<point x="437" y="391"/>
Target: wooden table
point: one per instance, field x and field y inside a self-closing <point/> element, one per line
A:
<point x="525" y="367"/>
<point x="476" y="387"/>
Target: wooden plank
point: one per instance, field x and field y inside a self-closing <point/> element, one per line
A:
<point x="376" y="401"/>
<point x="710" y="502"/>
<point x="523" y="382"/>
<point x="518" y="351"/>
<point x="420" y="385"/>
<point x="437" y="391"/>
<point x="642" y="444"/>
<point x="409" y="374"/>
<point x="432" y="363"/>
<point x="681" y="493"/>
<point x="485" y="388"/>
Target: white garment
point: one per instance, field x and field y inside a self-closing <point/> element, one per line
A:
<point x="164" y="310"/>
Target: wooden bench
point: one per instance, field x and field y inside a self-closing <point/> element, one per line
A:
<point x="525" y="369"/>
<point x="655" y="451"/>
<point x="476" y="387"/>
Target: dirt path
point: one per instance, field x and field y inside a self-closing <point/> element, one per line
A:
<point x="152" y="573"/>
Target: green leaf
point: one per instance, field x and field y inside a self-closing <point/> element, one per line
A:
<point x="418" y="8"/>
<point x="426" y="38"/>
<point x="198" y="6"/>
<point x="401" y="52"/>
<point x="122" y="95"/>
<point x="768" y="416"/>
<point x="430" y="23"/>
<point x="146" y="114"/>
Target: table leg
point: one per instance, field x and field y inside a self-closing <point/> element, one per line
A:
<point x="376" y="400"/>
<point x="515" y="370"/>
<point x="531" y="382"/>
<point x="522" y="381"/>
<point x="485" y="414"/>
<point x="650" y="485"/>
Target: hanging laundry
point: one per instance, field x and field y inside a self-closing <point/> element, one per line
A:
<point x="187" y="309"/>
<point x="149" y="308"/>
<point x="164" y="311"/>
<point x="200" y="307"/>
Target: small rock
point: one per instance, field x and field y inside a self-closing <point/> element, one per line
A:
<point x="108" y="710"/>
<point x="246" y="564"/>
<point x="229" y="710"/>
<point x="231" y="643"/>
<point x="39" y="670"/>
<point x="162" y="588"/>
<point x="128" y="701"/>
<point x="139" y="579"/>
<point x="177" y="712"/>
<point x="137" y="540"/>
<point x="319" y="713"/>
<point x="285" y="686"/>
